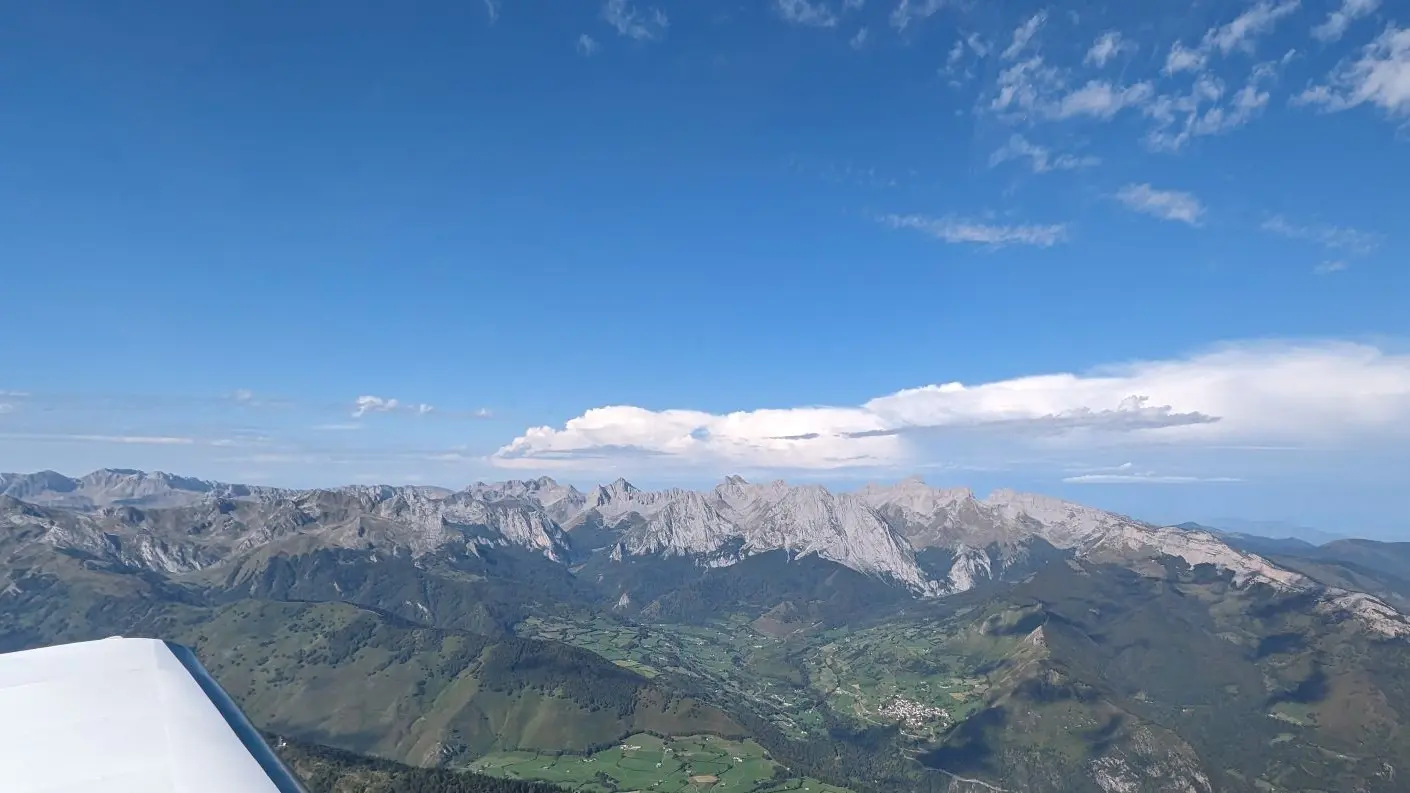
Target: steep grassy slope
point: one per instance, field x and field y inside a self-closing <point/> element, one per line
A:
<point x="326" y="770"/>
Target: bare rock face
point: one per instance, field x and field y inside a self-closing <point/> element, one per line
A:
<point x="178" y="524"/>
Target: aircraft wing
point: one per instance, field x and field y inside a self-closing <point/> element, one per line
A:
<point x="126" y="716"/>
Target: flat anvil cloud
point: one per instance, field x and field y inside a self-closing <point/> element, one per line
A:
<point x="1255" y="393"/>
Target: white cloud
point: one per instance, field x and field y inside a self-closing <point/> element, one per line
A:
<point x="1246" y="27"/>
<point x="144" y="440"/>
<point x="346" y="427"/>
<point x="1144" y="478"/>
<point x="628" y="22"/>
<point x="6" y="407"/>
<point x="1380" y="76"/>
<point x="1242" y="394"/>
<point x="1107" y="46"/>
<point x="1340" y="238"/>
<point x="492" y="9"/>
<point x="803" y="12"/>
<point x="1163" y="204"/>
<point x="1040" y="159"/>
<point x="1330" y="266"/>
<point x="860" y="39"/>
<point x="1339" y="20"/>
<point x="1179" y="118"/>
<point x="1026" y="87"/>
<point x="907" y="12"/>
<point x="373" y="404"/>
<point x="587" y="45"/>
<point x="1023" y="35"/>
<point x="1101" y="99"/>
<point x="1030" y="89"/>
<point x="364" y="405"/>
<point x="243" y="395"/>
<point x="1182" y="59"/>
<point x="958" y="230"/>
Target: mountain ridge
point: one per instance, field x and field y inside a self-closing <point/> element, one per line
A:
<point x="180" y="524"/>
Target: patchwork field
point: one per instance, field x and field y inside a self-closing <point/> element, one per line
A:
<point x="728" y="658"/>
<point x="648" y="764"/>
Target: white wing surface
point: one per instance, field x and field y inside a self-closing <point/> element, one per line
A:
<point x="126" y="716"/>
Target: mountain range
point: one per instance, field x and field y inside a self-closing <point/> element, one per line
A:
<point x="898" y="637"/>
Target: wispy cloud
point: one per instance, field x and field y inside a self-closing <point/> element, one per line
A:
<point x="859" y="40"/>
<point x="803" y="12"/>
<point x="1178" y="118"/>
<point x="1101" y="99"/>
<point x="345" y="427"/>
<point x="1023" y="35"/>
<point x="1330" y="266"/>
<point x="146" y="440"/>
<point x="492" y="9"/>
<point x="587" y="45"/>
<point x="1040" y="159"/>
<point x="1129" y="474"/>
<point x="959" y="230"/>
<point x="1379" y="76"/>
<point x="1163" y="204"/>
<point x="1339" y="20"/>
<point x="908" y="11"/>
<point x="642" y="26"/>
<point x="1107" y="46"/>
<point x="1241" y="33"/>
<point x="1337" y="238"/>
<point x="1184" y="59"/>
<point x="1144" y="478"/>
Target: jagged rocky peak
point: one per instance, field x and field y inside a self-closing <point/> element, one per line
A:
<point x="913" y="494"/>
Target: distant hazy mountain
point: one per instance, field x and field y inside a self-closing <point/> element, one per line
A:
<point x="1276" y="529"/>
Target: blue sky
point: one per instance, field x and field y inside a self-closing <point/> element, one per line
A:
<point x="1161" y="247"/>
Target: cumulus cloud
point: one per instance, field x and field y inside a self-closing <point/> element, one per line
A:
<point x="1339" y="20"/>
<point x="642" y="26"/>
<point x="957" y="230"/>
<point x="1040" y="158"/>
<point x="1379" y="76"/>
<point x="364" y="405"/>
<point x="1163" y="204"/>
<point x="1248" y="394"/>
